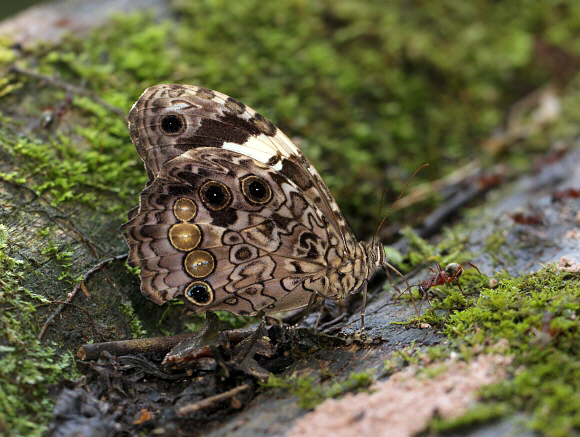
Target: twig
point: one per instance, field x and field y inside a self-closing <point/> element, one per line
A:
<point x="91" y="351"/>
<point x="78" y="287"/>
<point x="208" y="402"/>
<point x="68" y="88"/>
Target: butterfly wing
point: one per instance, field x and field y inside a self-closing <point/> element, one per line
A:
<point x="169" y="120"/>
<point x="225" y="232"/>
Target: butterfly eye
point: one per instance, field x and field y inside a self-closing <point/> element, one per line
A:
<point x="200" y="293"/>
<point x="215" y="195"/>
<point x="172" y="124"/>
<point x="256" y="190"/>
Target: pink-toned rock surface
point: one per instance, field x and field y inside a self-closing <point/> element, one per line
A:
<point x="569" y="264"/>
<point x="404" y="404"/>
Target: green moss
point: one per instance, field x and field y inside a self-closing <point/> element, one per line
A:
<point x="496" y="248"/>
<point x="63" y="257"/>
<point x="311" y="392"/>
<point x="538" y="315"/>
<point x="481" y="413"/>
<point x="27" y="367"/>
<point x="419" y="248"/>
<point x="136" y="325"/>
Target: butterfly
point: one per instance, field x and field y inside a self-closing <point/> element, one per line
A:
<point x="234" y="217"/>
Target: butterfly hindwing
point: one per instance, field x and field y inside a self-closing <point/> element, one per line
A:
<point x="257" y="240"/>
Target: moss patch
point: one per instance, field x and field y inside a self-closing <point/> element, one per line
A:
<point x="27" y="366"/>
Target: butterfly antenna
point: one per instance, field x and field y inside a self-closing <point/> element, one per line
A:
<point x="397" y="199"/>
<point x="386" y="266"/>
<point x="382" y="202"/>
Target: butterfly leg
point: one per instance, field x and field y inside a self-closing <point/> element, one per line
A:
<point x="311" y="301"/>
<point x="364" y="304"/>
<point x="319" y="315"/>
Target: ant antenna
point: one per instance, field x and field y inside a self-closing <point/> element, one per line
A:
<point x="397" y="199"/>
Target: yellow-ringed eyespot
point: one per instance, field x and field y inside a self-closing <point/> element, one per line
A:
<point x="199" y="263"/>
<point x="255" y="190"/>
<point x="184" y="209"/>
<point x="200" y="293"/>
<point x="215" y="195"/>
<point x="184" y="236"/>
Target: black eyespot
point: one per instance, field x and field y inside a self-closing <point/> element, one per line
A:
<point x="200" y="293"/>
<point x="172" y="124"/>
<point x="215" y="195"/>
<point x="255" y="190"/>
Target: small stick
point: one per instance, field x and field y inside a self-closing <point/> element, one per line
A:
<point x="208" y="402"/>
<point x="91" y="351"/>
<point x="72" y="294"/>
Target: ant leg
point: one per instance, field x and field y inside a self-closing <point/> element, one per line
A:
<point x="474" y="266"/>
<point x="424" y="291"/>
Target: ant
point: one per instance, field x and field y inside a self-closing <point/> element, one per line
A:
<point x="439" y="277"/>
<point x="451" y="273"/>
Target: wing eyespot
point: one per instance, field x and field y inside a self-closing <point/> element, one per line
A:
<point x="215" y="195"/>
<point x="255" y="190"/>
<point x="172" y="124"/>
<point x="199" y="293"/>
<point x="199" y="263"/>
<point x="184" y="236"/>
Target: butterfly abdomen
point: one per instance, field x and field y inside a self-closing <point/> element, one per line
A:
<point x="348" y="275"/>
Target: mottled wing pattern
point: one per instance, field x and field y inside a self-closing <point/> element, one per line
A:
<point x="247" y="248"/>
<point x="170" y="119"/>
<point x="234" y="216"/>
